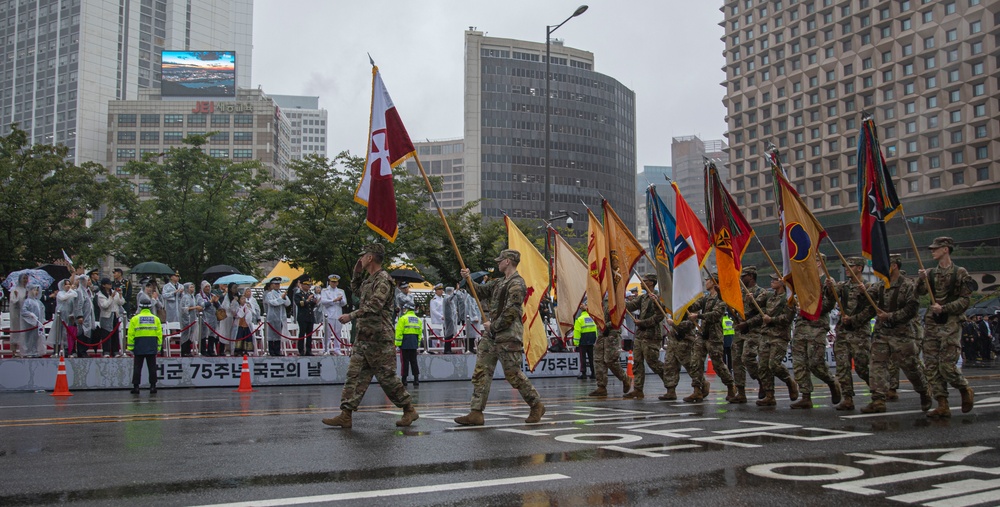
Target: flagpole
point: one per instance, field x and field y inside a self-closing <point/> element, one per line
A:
<point x="656" y="298"/>
<point x="920" y="263"/>
<point x="759" y="310"/>
<point x="461" y="263"/>
<point x="836" y="297"/>
<point x="762" y="249"/>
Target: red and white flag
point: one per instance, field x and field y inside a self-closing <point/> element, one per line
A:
<point x="388" y="146"/>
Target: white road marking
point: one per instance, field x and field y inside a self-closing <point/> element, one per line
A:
<point x="948" y="489"/>
<point x="393" y="492"/>
<point x="986" y="497"/>
<point x="131" y="402"/>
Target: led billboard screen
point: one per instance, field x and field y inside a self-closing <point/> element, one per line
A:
<point x="198" y="73"/>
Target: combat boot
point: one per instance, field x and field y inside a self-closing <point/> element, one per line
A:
<point x="600" y="391"/>
<point x="706" y="387"/>
<point x="731" y="395"/>
<point x="925" y="401"/>
<point x="343" y="420"/>
<point x="760" y="390"/>
<point x="793" y="389"/>
<point x="875" y="407"/>
<point x="967" y="399"/>
<point x="942" y="411"/>
<point x="804" y="402"/>
<point x="473" y="418"/>
<point x="835" y="393"/>
<point x="892" y="395"/>
<point x="626" y="384"/>
<point x="767" y="400"/>
<point x="846" y="404"/>
<point x="670" y="395"/>
<point x="741" y="395"/>
<point x="537" y="411"/>
<point x="695" y="397"/>
<point x="409" y="415"/>
<point x="634" y="394"/>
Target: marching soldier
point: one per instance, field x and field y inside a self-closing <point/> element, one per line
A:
<point x="711" y="309"/>
<point x="502" y="341"/>
<point x="809" y="348"/>
<point x="607" y="355"/>
<point x="853" y="332"/>
<point x="682" y="340"/>
<point x="943" y="331"/>
<point x="374" y="351"/>
<point x="648" y="336"/>
<point x="747" y="339"/>
<point x="774" y="324"/>
<point x="894" y="340"/>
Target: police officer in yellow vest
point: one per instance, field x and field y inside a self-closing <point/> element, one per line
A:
<point x="409" y="331"/>
<point x="584" y="338"/>
<point x="145" y="337"/>
<point x="728" y="333"/>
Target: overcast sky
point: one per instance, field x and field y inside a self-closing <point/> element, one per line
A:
<point x="667" y="51"/>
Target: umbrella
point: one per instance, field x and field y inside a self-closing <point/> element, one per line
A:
<point x="56" y="271"/>
<point x="406" y="275"/>
<point x="221" y="270"/>
<point x="237" y="279"/>
<point x="476" y="277"/>
<point x="36" y="276"/>
<point x="971" y="312"/>
<point x="151" y="268"/>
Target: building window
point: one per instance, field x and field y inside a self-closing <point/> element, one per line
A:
<point x="150" y="120"/>
<point x="242" y="153"/>
<point x="220" y="138"/>
<point x="196" y="119"/>
<point x="242" y="120"/>
<point x="220" y="120"/>
<point x="126" y="137"/>
<point x="976" y="27"/>
<point x="126" y="120"/>
<point x="957" y="157"/>
<point x="982" y="173"/>
<point x="149" y="137"/>
<point x="956" y="116"/>
<point x="173" y="119"/>
<point x="218" y="153"/>
<point x="126" y="154"/>
<point x="980" y="131"/>
<point x="913" y="186"/>
<point x="935" y="182"/>
<point x="982" y="153"/>
<point x="242" y="137"/>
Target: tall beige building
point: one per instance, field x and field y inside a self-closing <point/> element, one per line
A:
<point x="800" y="73"/>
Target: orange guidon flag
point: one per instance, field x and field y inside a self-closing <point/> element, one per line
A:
<point x="730" y="235"/>
<point x="623" y="252"/>
<point x="388" y="146"/>
<point x="535" y="272"/>
<point x="597" y="266"/>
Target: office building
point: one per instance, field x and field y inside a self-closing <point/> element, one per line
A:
<point x="308" y="123"/>
<point x="63" y="61"/>
<point x="443" y="159"/>
<point x="800" y="74"/>
<point x="688" y="155"/>
<point x="592" y="131"/>
<point x="656" y="175"/>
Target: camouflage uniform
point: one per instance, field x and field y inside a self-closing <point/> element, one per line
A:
<point x="710" y="310"/>
<point x="680" y="350"/>
<point x="374" y="349"/>
<point x="809" y="346"/>
<point x="746" y="343"/>
<point x="942" y="341"/>
<point x="648" y="338"/>
<point x="607" y="352"/>
<point x="853" y="338"/>
<point x="894" y="340"/>
<point x="503" y="342"/>
<point x="774" y="338"/>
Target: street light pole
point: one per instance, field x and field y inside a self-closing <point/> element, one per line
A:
<point x="548" y="112"/>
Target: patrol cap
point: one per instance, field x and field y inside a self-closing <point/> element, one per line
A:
<point x="439" y="286"/>
<point x="896" y="259"/>
<point x="775" y="276"/>
<point x="374" y="249"/>
<point x="856" y="261"/>
<point x="333" y="278"/>
<point x="144" y="301"/>
<point x="508" y="253"/>
<point x="649" y="278"/>
<point x="943" y="241"/>
<point x="749" y="270"/>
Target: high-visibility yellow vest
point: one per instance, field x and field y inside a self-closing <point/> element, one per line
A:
<point x="727" y="326"/>
<point x="584" y="324"/>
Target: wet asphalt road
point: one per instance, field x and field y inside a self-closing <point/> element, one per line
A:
<point x="212" y="446"/>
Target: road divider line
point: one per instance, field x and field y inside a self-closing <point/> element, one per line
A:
<point x="393" y="492"/>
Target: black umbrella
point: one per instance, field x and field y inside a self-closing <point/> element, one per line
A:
<point x="406" y="275"/>
<point x="215" y="272"/>
<point x="476" y="277"/>
<point x="57" y="271"/>
<point x="151" y="268"/>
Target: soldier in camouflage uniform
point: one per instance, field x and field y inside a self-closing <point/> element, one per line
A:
<point x="853" y="332"/>
<point x="943" y="330"/>
<point x="710" y="309"/>
<point x="774" y="324"/>
<point x="607" y="355"/>
<point x="894" y="339"/>
<point x="809" y="348"/>
<point x="648" y="336"/>
<point x="502" y="341"/>
<point x="746" y="340"/>
<point x="682" y="339"/>
<point x="374" y="349"/>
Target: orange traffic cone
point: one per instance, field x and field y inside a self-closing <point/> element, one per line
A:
<point x="62" y="385"/>
<point x="630" y="362"/>
<point x="245" y="386"/>
<point x="710" y="370"/>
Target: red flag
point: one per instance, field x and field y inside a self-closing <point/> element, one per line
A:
<point x="731" y="235"/>
<point x="388" y="146"/>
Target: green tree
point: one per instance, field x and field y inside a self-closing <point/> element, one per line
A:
<point x="50" y="204"/>
<point x="201" y="211"/>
